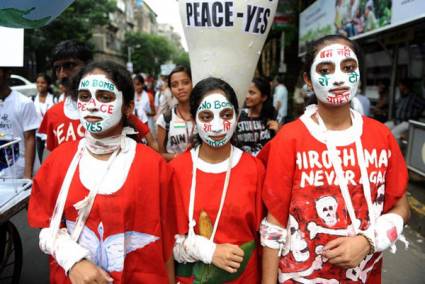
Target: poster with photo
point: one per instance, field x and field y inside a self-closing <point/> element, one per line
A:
<point x="353" y="18"/>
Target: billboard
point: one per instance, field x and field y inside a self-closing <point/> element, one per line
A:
<point x="353" y="18"/>
<point x="12" y="53"/>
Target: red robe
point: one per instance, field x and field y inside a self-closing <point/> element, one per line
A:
<point x="59" y="128"/>
<point x="299" y="175"/>
<point x="144" y="204"/>
<point x="242" y="211"/>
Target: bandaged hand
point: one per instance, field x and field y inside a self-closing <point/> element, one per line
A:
<point x="387" y="230"/>
<point x="62" y="247"/>
<point x="228" y="257"/>
<point x="193" y="248"/>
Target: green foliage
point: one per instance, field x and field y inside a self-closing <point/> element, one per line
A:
<point x="76" y="22"/>
<point x="149" y="51"/>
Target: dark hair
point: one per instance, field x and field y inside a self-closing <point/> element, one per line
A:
<point x="279" y="78"/>
<point x="268" y="112"/>
<point x="115" y="72"/>
<point x="139" y="78"/>
<point x="179" y="69"/>
<point x="315" y="46"/>
<point x="45" y="78"/>
<point x="208" y="85"/>
<point x="72" y="49"/>
<point x="407" y="82"/>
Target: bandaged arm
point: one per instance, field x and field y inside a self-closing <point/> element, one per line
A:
<point x="388" y="227"/>
<point x="272" y="236"/>
<point x="66" y="251"/>
<point x="193" y="248"/>
<point x="273" y="239"/>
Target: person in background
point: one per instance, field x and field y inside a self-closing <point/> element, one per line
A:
<point x="218" y="193"/>
<point x="144" y="102"/>
<point x="410" y="106"/>
<point x="280" y="99"/>
<point x="380" y="110"/>
<point x="114" y="222"/>
<point x="43" y="101"/>
<point x="361" y="103"/>
<point x="257" y="122"/>
<point x="61" y="123"/>
<point x="18" y="118"/>
<point x="176" y="127"/>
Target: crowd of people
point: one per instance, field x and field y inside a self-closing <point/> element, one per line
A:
<point x="174" y="183"/>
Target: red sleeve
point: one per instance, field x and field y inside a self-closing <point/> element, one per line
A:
<point x="259" y="206"/>
<point x="168" y="209"/>
<point x="140" y="127"/>
<point x="279" y="158"/>
<point x="397" y="175"/>
<point x="46" y="127"/>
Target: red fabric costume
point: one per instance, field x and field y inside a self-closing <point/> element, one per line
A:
<point x="300" y="191"/>
<point x="143" y="205"/>
<point x="242" y="210"/>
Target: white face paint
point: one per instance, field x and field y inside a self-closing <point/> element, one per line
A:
<point x="335" y="74"/>
<point x="216" y="120"/>
<point x="99" y="103"/>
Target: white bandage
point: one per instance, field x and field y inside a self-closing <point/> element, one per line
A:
<point x="273" y="236"/>
<point x="388" y="229"/>
<point x="194" y="248"/>
<point x="66" y="251"/>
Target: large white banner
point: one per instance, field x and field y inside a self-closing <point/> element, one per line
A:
<point x="226" y="37"/>
<point x="404" y="10"/>
<point x="12" y="49"/>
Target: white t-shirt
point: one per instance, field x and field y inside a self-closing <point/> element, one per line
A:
<point x="142" y="106"/>
<point x="41" y="109"/>
<point x="281" y="95"/>
<point x="180" y="132"/>
<point x="17" y="115"/>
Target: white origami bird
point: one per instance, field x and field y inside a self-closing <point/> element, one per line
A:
<point x="109" y="254"/>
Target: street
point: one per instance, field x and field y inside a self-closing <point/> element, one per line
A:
<point x="407" y="266"/>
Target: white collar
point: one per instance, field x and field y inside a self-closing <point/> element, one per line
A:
<point x="92" y="169"/>
<point x="340" y="137"/>
<point x="217" y="167"/>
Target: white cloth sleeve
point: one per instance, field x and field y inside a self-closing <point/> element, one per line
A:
<point x="273" y="236"/>
<point x="30" y="119"/>
<point x="192" y="249"/>
<point x="161" y="121"/>
<point x="65" y="250"/>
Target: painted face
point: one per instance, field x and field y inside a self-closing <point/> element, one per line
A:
<point x="99" y="103"/>
<point x="335" y="74"/>
<point x="216" y="120"/>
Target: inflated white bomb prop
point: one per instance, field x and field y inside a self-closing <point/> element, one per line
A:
<point x="225" y="38"/>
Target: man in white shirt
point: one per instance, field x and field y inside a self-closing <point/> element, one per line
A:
<point x="18" y="119"/>
<point x="280" y="99"/>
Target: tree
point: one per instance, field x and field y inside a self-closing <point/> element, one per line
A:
<point x="149" y="51"/>
<point x="77" y="22"/>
